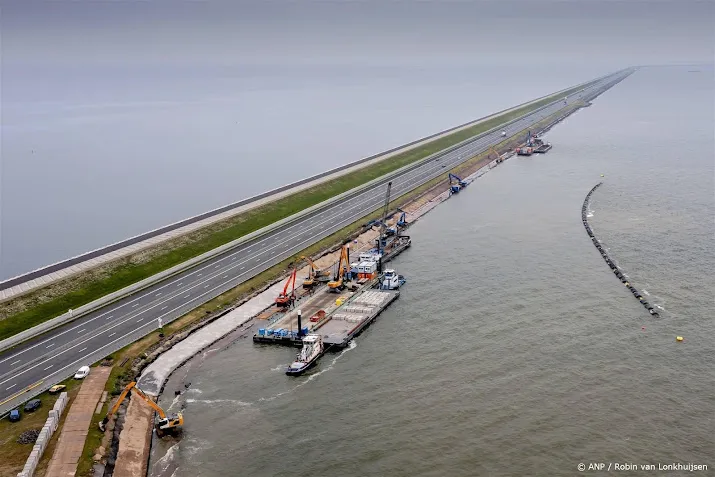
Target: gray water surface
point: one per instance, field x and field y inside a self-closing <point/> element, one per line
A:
<point x="513" y="349"/>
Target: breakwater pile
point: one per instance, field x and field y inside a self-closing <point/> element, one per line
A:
<point x="604" y="254"/>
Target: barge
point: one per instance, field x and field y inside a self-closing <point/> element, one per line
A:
<point x="351" y="319"/>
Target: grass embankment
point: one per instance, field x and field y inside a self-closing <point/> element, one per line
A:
<point x="14" y="455"/>
<point x="41" y="305"/>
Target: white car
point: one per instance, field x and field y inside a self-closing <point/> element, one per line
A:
<point x="82" y="373"/>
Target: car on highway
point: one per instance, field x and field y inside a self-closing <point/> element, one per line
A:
<point x="82" y="373"/>
<point x="33" y="405"/>
<point x="14" y="415"/>
<point x="57" y="388"/>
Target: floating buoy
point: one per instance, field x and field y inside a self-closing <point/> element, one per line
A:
<point x="643" y="328"/>
<point x="602" y="175"/>
<point x="678" y="338"/>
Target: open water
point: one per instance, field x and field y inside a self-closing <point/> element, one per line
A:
<point x="513" y="349"/>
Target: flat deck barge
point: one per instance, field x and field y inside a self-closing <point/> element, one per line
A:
<point x="544" y="148"/>
<point x="282" y="327"/>
<point x="349" y="320"/>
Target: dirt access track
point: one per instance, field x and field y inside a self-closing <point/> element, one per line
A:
<point x="74" y="431"/>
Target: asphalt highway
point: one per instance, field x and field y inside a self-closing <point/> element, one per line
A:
<point x="104" y="331"/>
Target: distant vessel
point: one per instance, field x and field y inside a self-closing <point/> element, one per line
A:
<point x="310" y="352"/>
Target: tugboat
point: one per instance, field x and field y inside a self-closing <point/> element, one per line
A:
<point x="391" y="280"/>
<point x="309" y="354"/>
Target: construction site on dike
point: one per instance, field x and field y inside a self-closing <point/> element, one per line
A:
<point x="316" y="301"/>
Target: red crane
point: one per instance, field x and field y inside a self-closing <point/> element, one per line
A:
<point x="284" y="299"/>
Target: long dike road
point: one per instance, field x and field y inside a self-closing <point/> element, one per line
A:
<point x="52" y="357"/>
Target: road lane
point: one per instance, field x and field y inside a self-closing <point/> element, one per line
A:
<point x="138" y="314"/>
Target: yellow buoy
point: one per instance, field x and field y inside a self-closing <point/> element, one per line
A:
<point x="678" y="338"/>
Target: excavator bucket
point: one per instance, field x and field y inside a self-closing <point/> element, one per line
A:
<point x="103" y="424"/>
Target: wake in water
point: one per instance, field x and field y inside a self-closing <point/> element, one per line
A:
<point x="352" y="345"/>
<point x="217" y="401"/>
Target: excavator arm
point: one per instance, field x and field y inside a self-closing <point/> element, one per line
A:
<point x="164" y="421"/>
<point x="342" y="269"/>
<point x="115" y="408"/>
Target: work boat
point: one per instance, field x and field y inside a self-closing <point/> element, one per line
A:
<point x="391" y="280"/>
<point x="309" y="354"/>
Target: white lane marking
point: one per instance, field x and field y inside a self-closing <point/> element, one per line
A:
<point x="233" y="258"/>
<point x="187" y="295"/>
<point x="50" y="345"/>
<point x="48" y="367"/>
<point x="206" y="286"/>
<point x="164" y="308"/>
<point x="280" y="234"/>
<point x="199" y="274"/>
<point x="109" y="336"/>
<point x="242" y="268"/>
<point x="225" y="276"/>
<point x="158" y="294"/>
<point x="135" y="305"/>
<point x="24" y="371"/>
<point x="109" y="317"/>
<point x="82" y="350"/>
<point x="140" y="320"/>
<point x="80" y="331"/>
<point x="13" y="364"/>
<point x="179" y="284"/>
<point x="10" y="387"/>
<point x="217" y="266"/>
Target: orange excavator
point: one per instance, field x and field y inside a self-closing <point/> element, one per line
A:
<point x="163" y="425"/>
<point x="314" y="275"/>
<point x="285" y="300"/>
<point x="498" y="156"/>
<point x="338" y="282"/>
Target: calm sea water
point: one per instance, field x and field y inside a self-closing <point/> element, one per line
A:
<point x="94" y="156"/>
<point x="513" y="350"/>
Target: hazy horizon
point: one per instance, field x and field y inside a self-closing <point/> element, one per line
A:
<point x="120" y="117"/>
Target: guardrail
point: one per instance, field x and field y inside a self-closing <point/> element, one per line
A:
<point x="150" y="281"/>
<point x="46" y="270"/>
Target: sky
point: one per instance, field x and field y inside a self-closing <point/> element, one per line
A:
<point x="122" y="116"/>
<point x="607" y="33"/>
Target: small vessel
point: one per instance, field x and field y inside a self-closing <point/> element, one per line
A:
<point x="391" y="280"/>
<point x="309" y="354"/>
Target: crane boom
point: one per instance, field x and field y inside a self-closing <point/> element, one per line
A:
<point x="383" y="218"/>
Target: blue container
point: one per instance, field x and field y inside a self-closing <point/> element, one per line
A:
<point x="261" y="332"/>
<point x="269" y="332"/>
<point x="305" y="330"/>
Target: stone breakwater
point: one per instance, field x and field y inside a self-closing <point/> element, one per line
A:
<point x="616" y="271"/>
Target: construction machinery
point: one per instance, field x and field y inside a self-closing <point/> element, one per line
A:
<point x="400" y="223"/>
<point x="455" y="184"/>
<point x="338" y="282"/>
<point x="315" y="276"/>
<point x="402" y="219"/>
<point x="496" y="154"/>
<point x="164" y="424"/>
<point x="284" y="300"/>
<point x="528" y="148"/>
